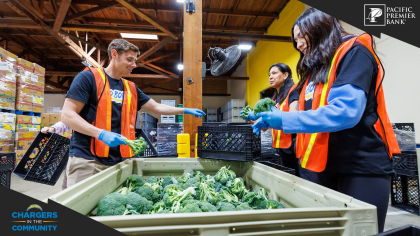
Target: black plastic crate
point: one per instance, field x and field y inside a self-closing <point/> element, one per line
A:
<point x="5" y="176"/>
<point x="405" y="193"/>
<point x="404" y="126"/>
<point x="150" y="150"/>
<point x="406" y="163"/>
<point x="7" y="161"/>
<point x="51" y="156"/>
<point x="278" y="167"/>
<point x="406" y="230"/>
<point x="235" y="143"/>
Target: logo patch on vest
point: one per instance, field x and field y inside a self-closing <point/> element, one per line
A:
<point x="117" y="96"/>
<point x="310" y="90"/>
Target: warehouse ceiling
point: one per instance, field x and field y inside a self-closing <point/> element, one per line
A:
<point x="59" y="34"/>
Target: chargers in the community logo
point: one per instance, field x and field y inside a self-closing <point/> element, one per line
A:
<point x="34" y="219"/>
<point x="375" y="14"/>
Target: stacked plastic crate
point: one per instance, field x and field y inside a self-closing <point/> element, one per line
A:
<point x="231" y="111"/>
<point x="405" y="184"/>
<point x="211" y="114"/>
<point x="167" y="138"/>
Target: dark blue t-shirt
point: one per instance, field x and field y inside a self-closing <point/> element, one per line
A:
<point x="83" y="89"/>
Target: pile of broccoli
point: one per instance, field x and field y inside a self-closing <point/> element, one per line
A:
<point x="192" y="192"/>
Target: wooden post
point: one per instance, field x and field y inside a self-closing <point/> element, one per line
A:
<point x="192" y="58"/>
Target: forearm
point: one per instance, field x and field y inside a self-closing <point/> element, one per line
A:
<point x="77" y="123"/>
<point x="168" y="110"/>
<point x="345" y="108"/>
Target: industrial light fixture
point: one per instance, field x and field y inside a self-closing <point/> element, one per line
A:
<point x="180" y="0"/>
<point x="245" y="46"/>
<point x="180" y="67"/>
<point x="51" y="87"/>
<point x="139" y="36"/>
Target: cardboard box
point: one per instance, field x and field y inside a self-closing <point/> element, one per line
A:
<point x="45" y="120"/>
<point x="23" y="145"/>
<point x="39" y="70"/>
<point x="38" y="100"/>
<point x="7" y="117"/>
<point x="27" y="127"/>
<point x="36" y="120"/>
<point x="8" y="75"/>
<point x="7" y="127"/>
<point x="6" y="135"/>
<point x="7" y="146"/>
<point x="22" y="106"/>
<point x="38" y="92"/>
<point x="27" y="65"/>
<point x="37" y="108"/>
<point x="54" y="118"/>
<point x="7" y="89"/>
<point x="6" y="55"/>
<point x="26" y="135"/>
<point x="7" y="103"/>
<point x="23" y="98"/>
<point x="24" y="90"/>
<point x="19" y="155"/>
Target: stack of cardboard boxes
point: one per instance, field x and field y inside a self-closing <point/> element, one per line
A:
<point x="8" y="73"/>
<point x="7" y="132"/>
<point x="29" y="126"/>
<point x="30" y="86"/>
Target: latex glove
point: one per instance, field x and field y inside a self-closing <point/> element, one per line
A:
<point x="111" y="139"/>
<point x="194" y="111"/>
<point x="250" y="116"/>
<point x="273" y="118"/>
<point x="47" y="129"/>
<point x="258" y="126"/>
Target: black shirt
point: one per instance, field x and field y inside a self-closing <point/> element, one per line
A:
<point x="358" y="150"/>
<point x="83" y="89"/>
<point x="290" y="152"/>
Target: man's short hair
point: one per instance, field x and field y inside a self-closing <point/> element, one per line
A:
<point x="122" y="46"/>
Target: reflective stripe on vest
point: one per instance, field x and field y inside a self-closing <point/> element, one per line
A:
<point x="279" y="138"/>
<point x="104" y="113"/>
<point x="313" y="148"/>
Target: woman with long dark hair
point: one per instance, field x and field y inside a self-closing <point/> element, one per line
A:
<point x="344" y="137"/>
<point x="280" y="79"/>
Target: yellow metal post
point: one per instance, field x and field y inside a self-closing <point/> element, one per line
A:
<point x="183" y="145"/>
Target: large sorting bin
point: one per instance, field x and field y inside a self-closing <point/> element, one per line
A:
<point x="310" y="209"/>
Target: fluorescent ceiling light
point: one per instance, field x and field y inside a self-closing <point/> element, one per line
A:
<point x="50" y="87"/>
<point x="180" y="67"/>
<point x="138" y="36"/>
<point x="180" y="0"/>
<point x="245" y="46"/>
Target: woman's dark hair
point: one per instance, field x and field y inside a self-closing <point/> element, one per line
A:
<point x="288" y="83"/>
<point x="325" y="34"/>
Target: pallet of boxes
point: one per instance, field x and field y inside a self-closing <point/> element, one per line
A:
<point x="29" y="105"/>
<point x="49" y="119"/>
<point x="8" y="71"/>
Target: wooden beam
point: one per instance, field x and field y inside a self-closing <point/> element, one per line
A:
<point x="227" y="78"/>
<point x="246" y="37"/>
<point x="118" y="22"/>
<point x="61" y="14"/>
<point x="192" y="54"/>
<point x="63" y="56"/>
<point x="41" y="6"/>
<point x="148" y="18"/>
<point x="155" y="48"/>
<point x="72" y="74"/>
<point x="57" y="85"/>
<point x="153" y="69"/>
<point x="63" y="80"/>
<point x="173" y="75"/>
<point x="90" y="11"/>
<point x="84" y="41"/>
<point x="110" y="29"/>
<point x="159" y="58"/>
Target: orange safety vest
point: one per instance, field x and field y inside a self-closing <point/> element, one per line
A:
<point x="104" y="113"/>
<point x="286" y="139"/>
<point x="312" y="149"/>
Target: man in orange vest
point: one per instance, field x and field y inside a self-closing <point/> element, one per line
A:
<point x="101" y="108"/>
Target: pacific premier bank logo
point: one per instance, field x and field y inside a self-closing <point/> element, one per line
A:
<point x="375" y="15"/>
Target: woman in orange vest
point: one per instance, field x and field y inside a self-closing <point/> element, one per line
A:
<point x="345" y="140"/>
<point x="280" y="79"/>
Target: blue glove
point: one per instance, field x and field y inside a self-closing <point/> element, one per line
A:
<point x="111" y="139"/>
<point x="194" y="111"/>
<point x="273" y="118"/>
<point x="258" y="126"/>
<point x="250" y="116"/>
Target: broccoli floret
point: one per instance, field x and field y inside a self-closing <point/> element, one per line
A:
<point x="159" y="206"/>
<point x="192" y="208"/>
<point x="260" y="201"/>
<point x="246" y="111"/>
<point x="138" y="146"/>
<point x="192" y="182"/>
<point x="112" y="204"/>
<point x="206" y="193"/>
<point x="152" y="180"/>
<point x="244" y="207"/>
<point x="263" y="105"/>
<point x="185" y="177"/>
<point x="200" y="175"/>
<point x="188" y="202"/>
<point x="164" y="211"/>
<point x="156" y="187"/>
<point x="173" y="197"/>
<point x="224" y="175"/>
<point x="225" y="206"/>
<point x="227" y="196"/>
<point x="249" y="196"/>
<point x="168" y="180"/>
<point x="237" y="187"/>
<point x="207" y="207"/>
<point x="148" y="192"/>
<point x="140" y="204"/>
<point x="273" y="204"/>
<point x="134" y="181"/>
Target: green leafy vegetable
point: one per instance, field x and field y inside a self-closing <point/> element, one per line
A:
<point x="263" y="105"/>
<point x="246" y="111"/>
<point x="138" y="146"/>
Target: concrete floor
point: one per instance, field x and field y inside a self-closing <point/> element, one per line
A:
<point x="395" y="217"/>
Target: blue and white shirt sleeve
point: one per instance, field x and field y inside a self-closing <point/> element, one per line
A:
<point x="346" y="105"/>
